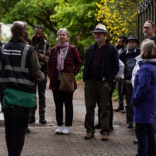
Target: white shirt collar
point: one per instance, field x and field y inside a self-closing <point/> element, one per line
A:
<point x="131" y="52"/>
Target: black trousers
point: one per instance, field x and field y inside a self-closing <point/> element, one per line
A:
<point x="146" y="139"/>
<point x="42" y="100"/>
<point x="121" y="93"/>
<point x="65" y="98"/>
<point x="94" y="90"/>
<point x="1" y="95"/>
<point x="129" y="107"/>
<point x="113" y="84"/>
<point x="15" y="130"/>
<point x="1" y="91"/>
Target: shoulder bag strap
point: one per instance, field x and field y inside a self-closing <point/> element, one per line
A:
<point x="44" y="48"/>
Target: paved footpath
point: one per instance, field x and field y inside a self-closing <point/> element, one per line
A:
<point x="42" y="141"/>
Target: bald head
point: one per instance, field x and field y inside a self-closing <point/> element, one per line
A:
<point x="19" y="29"/>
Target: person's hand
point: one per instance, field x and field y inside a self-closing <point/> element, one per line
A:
<point x="40" y="56"/>
<point x="117" y="79"/>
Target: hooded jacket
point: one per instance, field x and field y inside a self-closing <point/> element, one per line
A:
<point x="135" y="69"/>
<point x="123" y="58"/>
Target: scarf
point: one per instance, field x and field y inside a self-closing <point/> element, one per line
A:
<point x="60" y="62"/>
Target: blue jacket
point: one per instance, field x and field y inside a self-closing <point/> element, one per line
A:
<point x="154" y="39"/>
<point x="144" y="94"/>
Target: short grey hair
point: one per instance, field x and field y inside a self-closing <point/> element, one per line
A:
<point x="64" y="30"/>
<point x="151" y="22"/>
<point x="148" y="49"/>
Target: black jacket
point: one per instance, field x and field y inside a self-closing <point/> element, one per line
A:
<point x="40" y="49"/>
<point x="123" y="58"/>
<point x="110" y="65"/>
<point x="16" y="63"/>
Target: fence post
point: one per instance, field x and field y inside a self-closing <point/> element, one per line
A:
<point x="146" y="11"/>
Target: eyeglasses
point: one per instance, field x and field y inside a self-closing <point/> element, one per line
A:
<point x="20" y="30"/>
<point x="24" y="25"/>
<point x="147" y="27"/>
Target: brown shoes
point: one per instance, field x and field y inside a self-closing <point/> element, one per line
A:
<point x="89" y="136"/>
<point x="120" y="108"/>
<point x="105" y="137"/>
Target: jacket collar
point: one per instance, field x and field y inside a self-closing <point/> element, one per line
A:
<point x="134" y="51"/>
<point x="17" y="39"/>
<point x="96" y="44"/>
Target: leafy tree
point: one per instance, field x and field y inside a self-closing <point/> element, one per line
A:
<point x="78" y="16"/>
<point x="32" y="11"/>
<point x="120" y="17"/>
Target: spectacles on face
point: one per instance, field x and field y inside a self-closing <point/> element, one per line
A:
<point x="20" y="30"/>
<point x="147" y="27"/>
<point x="25" y="25"/>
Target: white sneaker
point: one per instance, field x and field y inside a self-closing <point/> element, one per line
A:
<point x="66" y="130"/>
<point x="58" y="130"/>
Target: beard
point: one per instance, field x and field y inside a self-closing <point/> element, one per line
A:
<point x="98" y="39"/>
<point x="38" y="38"/>
<point x="119" y="46"/>
<point x="145" y="34"/>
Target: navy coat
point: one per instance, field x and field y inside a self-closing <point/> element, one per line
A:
<point x="144" y="94"/>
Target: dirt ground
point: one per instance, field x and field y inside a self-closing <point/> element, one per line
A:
<point x="42" y="141"/>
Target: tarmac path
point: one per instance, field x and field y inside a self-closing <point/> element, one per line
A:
<point x="42" y="141"/>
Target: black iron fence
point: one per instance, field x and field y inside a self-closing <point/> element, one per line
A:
<point x="146" y="11"/>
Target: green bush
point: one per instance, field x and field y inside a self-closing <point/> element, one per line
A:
<point x="79" y="76"/>
<point x="115" y="94"/>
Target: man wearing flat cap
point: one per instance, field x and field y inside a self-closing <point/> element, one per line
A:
<point x="100" y="68"/>
<point x="128" y="58"/>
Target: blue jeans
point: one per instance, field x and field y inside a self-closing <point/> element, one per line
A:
<point x="146" y="139"/>
<point x="15" y="130"/>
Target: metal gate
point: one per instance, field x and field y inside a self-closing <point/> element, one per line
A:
<point x="146" y="11"/>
